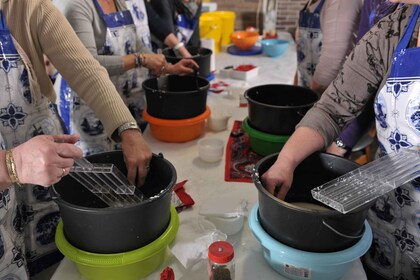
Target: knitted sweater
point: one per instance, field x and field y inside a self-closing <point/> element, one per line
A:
<point x="38" y="28"/>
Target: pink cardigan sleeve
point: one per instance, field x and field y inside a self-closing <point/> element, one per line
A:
<point x="339" y="25"/>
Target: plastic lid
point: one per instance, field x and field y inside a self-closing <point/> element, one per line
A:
<point x="221" y="252"/>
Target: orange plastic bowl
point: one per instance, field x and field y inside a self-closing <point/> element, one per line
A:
<point x="177" y="130"/>
<point x="244" y="40"/>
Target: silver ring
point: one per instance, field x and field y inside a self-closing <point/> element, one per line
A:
<point x="64" y="172"/>
<point x="162" y="70"/>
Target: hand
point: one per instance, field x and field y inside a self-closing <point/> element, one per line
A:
<point x="45" y="159"/>
<point x="184" y="66"/>
<point x="137" y="155"/>
<point x="278" y="178"/>
<point x="156" y="63"/>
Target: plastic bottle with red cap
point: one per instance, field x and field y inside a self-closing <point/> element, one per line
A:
<point x="221" y="264"/>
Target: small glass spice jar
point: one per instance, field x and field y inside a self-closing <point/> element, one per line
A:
<point x="221" y="264"/>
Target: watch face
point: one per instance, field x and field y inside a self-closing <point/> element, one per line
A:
<point x="340" y="144"/>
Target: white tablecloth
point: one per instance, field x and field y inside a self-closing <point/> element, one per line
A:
<point x="206" y="180"/>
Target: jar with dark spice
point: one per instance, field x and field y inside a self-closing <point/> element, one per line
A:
<point x="221" y="265"/>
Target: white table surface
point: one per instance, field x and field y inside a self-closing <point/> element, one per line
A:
<point x="206" y="180"/>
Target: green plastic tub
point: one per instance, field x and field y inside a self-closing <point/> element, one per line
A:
<point x="264" y="143"/>
<point x="132" y="265"/>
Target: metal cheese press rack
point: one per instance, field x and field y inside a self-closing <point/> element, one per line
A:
<point x="107" y="182"/>
<point x="369" y="181"/>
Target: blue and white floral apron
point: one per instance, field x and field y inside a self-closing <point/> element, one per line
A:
<point x="139" y="14"/>
<point x="309" y="44"/>
<point x="395" y="217"/>
<point x="28" y="215"/>
<point x="185" y="27"/>
<point x="121" y="39"/>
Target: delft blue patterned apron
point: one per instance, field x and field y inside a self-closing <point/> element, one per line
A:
<point x="395" y="217"/>
<point x="138" y="12"/>
<point x="121" y="39"/>
<point x="309" y="44"/>
<point x="184" y="28"/>
<point x="28" y="216"/>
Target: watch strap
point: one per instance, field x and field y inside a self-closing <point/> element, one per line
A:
<point x="127" y="126"/>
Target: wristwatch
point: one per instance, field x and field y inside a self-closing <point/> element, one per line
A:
<point x="126" y="126"/>
<point x="340" y="143"/>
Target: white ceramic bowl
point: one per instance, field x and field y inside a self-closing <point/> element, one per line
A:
<point x="211" y="149"/>
<point x="228" y="225"/>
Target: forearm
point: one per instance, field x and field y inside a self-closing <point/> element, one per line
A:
<point x="172" y="41"/>
<point x="303" y="142"/>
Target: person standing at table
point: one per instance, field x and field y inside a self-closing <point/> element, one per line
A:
<point x="174" y="21"/>
<point x="113" y="34"/>
<point x="372" y="12"/>
<point x="323" y="42"/>
<point x="164" y="33"/>
<point x="30" y="130"/>
<point x="326" y="34"/>
<point x="384" y="64"/>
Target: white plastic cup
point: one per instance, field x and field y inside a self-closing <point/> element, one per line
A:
<point x="218" y="120"/>
<point x="210" y="149"/>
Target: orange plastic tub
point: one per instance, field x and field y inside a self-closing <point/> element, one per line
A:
<point x="177" y="130"/>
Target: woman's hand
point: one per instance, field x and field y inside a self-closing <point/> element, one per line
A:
<point x="137" y="156"/>
<point x="45" y="159"/>
<point x="155" y="62"/>
<point x="184" y="66"/>
<point x="278" y="178"/>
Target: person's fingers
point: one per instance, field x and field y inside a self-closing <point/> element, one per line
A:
<point x="142" y="173"/>
<point x="63" y="138"/>
<point x="282" y="193"/>
<point x="66" y="150"/>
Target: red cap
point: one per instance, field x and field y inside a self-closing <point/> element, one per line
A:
<point x="221" y="252"/>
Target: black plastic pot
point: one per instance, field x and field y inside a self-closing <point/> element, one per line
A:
<point x="277" y="108"/>
<point x="176" y="97"/>
<point x="92" y="226"/>
<point x="302" y="228"/>
<point x="200" y="55"/>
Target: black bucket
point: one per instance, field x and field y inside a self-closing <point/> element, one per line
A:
<point x="200" y="55"/>
<point x="283" y="105"/>
<point x="306" y="229"/>
<point x="92" y="226"/>
<point x="177" y="97"/>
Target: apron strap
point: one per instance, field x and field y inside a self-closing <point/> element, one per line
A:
<point x="99" y="8"/>
<point x="319" y="7"/>
<point x="405" y="40"/>
<point x="116" y="19"/>
<point x="3" y="25"/>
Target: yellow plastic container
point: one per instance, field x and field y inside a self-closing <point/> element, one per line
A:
<point x="131" y="265"/>
<point x="228" y="25"/>
<point x="211" y="27"/>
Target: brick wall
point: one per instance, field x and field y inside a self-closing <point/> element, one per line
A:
<point x="246" y="12"/>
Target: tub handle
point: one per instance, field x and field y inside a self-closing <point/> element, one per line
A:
<point x="342" y="234"/>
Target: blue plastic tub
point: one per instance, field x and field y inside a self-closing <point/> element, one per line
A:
<point x="297" y="264"/>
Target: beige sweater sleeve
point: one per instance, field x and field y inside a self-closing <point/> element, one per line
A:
<point x="339" y="25"/>
<point x="39" y="28"/>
